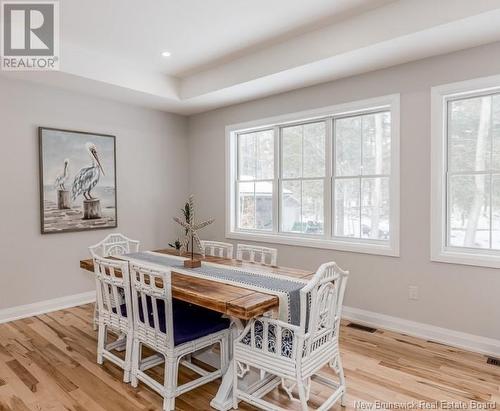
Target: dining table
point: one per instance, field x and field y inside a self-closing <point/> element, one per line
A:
<point x="237" y="302"/>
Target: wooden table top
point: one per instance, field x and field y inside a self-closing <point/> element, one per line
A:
<point x="228" y="299"/>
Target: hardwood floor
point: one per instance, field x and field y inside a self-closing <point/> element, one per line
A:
<point x="49" y="363"/>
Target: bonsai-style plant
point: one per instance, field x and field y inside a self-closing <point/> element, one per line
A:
<point x="191" y="229"/>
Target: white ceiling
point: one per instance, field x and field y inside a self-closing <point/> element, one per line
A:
<point x="229" y="51"/>
<point x="196" y="32"/>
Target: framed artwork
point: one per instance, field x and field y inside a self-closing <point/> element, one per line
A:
<point x="77" y="181"/>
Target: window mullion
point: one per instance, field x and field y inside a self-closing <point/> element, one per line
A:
<point x="491" y="212"/>
<point x="361" y="173"/>
<point x="447" y="225"/>
<point x="470" y="173"/>
<point x="301" y="207"/>
<point x="310" y="178"/>
<point x="236" y="200"/>
<point x="333" y="177"/>
<point x="327" y="185"/>
<point x="302" y="154"/>
<point x="491" y="175"/>
<point x="254" y="205"/>
<point x="360" y="204"/>
<point x="447" y="210"/>
<point x="255" y="145"/>
<point x="276" y="181"/>
<point x="348" y="177"/>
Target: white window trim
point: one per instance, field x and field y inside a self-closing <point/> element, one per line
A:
<point x="391" y="248"/>
<point x="440" y="252"/>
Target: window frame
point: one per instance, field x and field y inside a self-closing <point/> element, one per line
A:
<point x="390" y="103"/>
<point x="440" y="98"/>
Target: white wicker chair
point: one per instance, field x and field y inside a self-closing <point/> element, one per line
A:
<point x="113" y="244"/>
<point x="217" y="248"/>
<point x="173" y="329"/>
<point x="297" y="353"/>
<point x="111" y="288"/>
<point x="256" y="254"/>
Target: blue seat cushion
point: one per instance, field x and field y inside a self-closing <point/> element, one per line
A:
<point x="190" y="321"/>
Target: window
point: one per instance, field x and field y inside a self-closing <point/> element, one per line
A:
<point x="362" y="176"/>
<point x="326" y="179"/>
<point x="303" y="178"/>
<point x="255" y="180"/>
<point x="466" y="164"/>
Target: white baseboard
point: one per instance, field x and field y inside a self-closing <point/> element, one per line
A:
<point x="470" y="342"/>
<point x="42" y="307"/>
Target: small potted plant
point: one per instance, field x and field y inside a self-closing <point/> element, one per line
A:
<point x="177" y="245"/>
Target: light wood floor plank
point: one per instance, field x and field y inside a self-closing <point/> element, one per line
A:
<point x="48" y="362"/>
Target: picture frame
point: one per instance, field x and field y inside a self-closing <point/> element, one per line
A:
<point x="77" y="178"/>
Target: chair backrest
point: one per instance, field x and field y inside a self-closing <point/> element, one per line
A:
<point x="217" y="248"/>
<point x="321" y="306"/>
<point x="114" y="244"/>
<point x="152" y="302"/>
<point x="113" y="290"/>
<point x="256" y="254"/>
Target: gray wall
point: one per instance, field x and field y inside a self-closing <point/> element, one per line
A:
<point x="155" y="158"/>
<point x="459" y="297"/>
<point x="152" y="183"/>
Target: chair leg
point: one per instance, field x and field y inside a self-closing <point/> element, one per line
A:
<point x="340" y="372"/>
<point x="95" y="319"/>
<point x="136" y="357"/>
<point x="170" y="383"/>
<point x="168" y="404"/>
<point x="128" y="359"/>
<point x="235" y="384"/>
<point x="224" y="354"/>
<point x="101" y="342"/>
<point x="302" y="395"/>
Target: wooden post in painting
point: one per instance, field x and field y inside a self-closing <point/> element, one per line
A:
<point x="92" y="209"/>
<point x="63" y="200"/>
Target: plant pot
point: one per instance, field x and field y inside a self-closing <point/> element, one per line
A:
<point x="192" y="263"/>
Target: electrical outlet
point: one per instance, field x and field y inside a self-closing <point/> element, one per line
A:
<point x="413" y="292"/>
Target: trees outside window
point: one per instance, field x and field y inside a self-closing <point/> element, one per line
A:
<point x="473" y="172"/>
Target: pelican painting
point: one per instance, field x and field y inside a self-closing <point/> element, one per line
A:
<point x="83" y="196"/>
<point x="88" y="177"/>
<point x="62" y="178"/>
<point x="63" y="199"/>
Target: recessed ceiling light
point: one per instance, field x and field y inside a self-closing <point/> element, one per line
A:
<point x="166" y="54"/>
